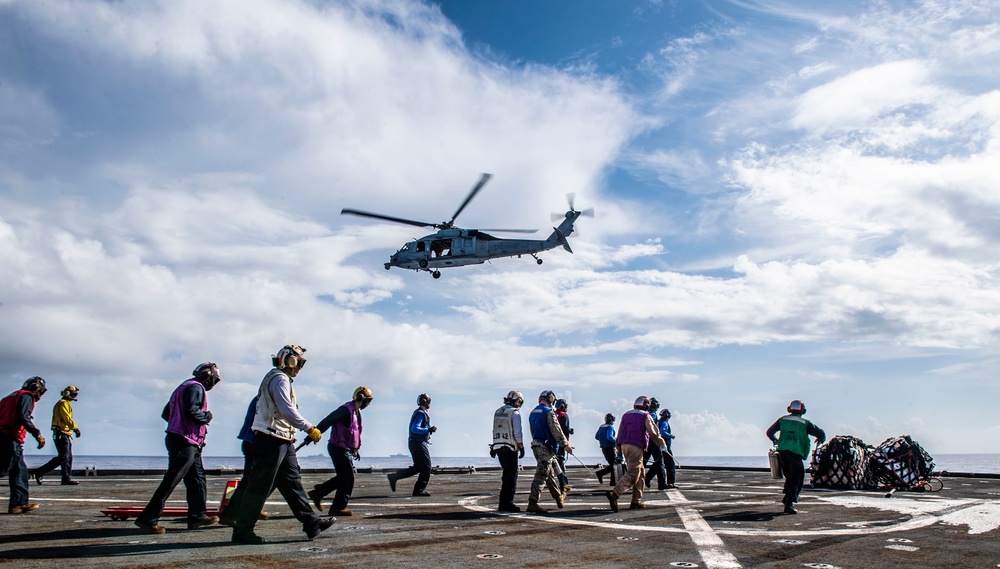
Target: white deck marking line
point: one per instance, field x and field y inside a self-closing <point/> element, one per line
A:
<point x="710" y="546"/>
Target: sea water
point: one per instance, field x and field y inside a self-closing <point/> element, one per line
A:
<point x="978" y="463"/>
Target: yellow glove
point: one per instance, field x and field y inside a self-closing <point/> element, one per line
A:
<point x="314" y="434"/>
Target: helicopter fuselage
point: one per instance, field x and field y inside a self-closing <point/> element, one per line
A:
<point x="459" y="247"/>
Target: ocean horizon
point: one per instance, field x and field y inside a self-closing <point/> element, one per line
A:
<point x="977" y="463"/>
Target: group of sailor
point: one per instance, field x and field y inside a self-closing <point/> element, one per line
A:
<point x="272" y="420"/>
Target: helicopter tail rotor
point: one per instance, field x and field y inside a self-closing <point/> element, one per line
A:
<point x="571" y="199"/>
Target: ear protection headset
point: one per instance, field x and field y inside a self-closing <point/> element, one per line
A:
<point x="207" y="374"/>
<point x="289" y="356"/>
<point x="361" y="394"/>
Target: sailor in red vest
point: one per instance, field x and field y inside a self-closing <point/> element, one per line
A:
<point x="635" y="432"/>
<point x="187" y="417"/>
<point x="345" y="441"/>
<point x="15" y="423"/>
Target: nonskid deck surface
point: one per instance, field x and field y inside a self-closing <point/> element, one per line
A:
<point x="714" y="519"/>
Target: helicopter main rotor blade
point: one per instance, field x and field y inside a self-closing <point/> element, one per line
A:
<point x="511" y="230"/>
<point x="350" y="211"/>
<point x="472" y="194"/>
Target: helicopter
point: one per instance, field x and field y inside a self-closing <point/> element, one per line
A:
<point x="456" y="247"/>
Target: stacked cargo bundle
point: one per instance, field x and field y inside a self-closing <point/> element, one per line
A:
<point x="901" y="463"/>
<point x="844" y="463"/>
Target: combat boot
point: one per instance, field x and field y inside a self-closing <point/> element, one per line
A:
<point x="534" y="508"/>
<point x="612" y="500"/>
<point x="561" y="500"/>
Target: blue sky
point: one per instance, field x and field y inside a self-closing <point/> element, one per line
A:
<point x="794" y="200"/>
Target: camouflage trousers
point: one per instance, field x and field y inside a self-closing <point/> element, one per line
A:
<point x="545" y="472"/>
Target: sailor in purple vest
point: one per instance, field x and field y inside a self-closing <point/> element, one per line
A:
<point x="635" y="432"/>
<point x="345" y="440"/>
<point x="187" y="417"/>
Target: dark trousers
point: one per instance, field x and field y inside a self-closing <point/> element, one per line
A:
<point x="612" y="458"/>
<point x="670" y="464"/>
<point x="274" y="466"/>
<point x="657" y="468"/>
<point x="794" y="468"/>
<point x="421" y="454"/>
<point x="508" y="480"/>
<point x="342" y="482"/>
<point x="561" y="459"/>
<point x="183" y="463"/>
<point x="63" y="458"/>
<point x="12" y="465"/>
<point x="233" y="507"/>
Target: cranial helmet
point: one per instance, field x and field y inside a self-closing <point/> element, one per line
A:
<point x="424" y="399"/>
<point x="609" y="418"/>
<point x="207" y="374"/>
<point x="36" y="385"/>
<point x="653" y="404"/>
<point x="514" y="398"/>
<point x="290" y="356"/>
<point x="70" y="393"/>
<point x="561" y="404"/>
<point x="797" y="407"/>
<point x="548" y="396"/>
<point x="641" y="402"/>
<point x="363" y="396"/>
<point x="665" y="414"/>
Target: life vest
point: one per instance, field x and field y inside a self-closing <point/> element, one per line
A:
<point x="793" y="434"/>
<point x="563" y="423"/>
<point x="538" y="420"/>
<point x="267" y="420"/>
<point x="348" y="437"/>
<point x="10" y="424"/>
<point x="503" y="427"/>
<point x="179" y="423"/>
<point x="632" y="429"/>
<point x="420" y="424"/>
<point x="606" y="435"/>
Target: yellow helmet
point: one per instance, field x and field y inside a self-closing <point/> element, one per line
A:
<point x="362" y="393"/>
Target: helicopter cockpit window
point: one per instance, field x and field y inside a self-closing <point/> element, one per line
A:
<point x="441" y="247"/>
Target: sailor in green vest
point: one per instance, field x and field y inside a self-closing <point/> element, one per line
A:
<point x="793" y="432"/>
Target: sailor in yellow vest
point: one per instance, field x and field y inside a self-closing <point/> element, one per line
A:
<point x="63" y="429"/>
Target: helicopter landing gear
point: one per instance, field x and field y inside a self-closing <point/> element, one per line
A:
<point x="387" y="266"/>
<point x="436" y="274"/>
<point x="537" y="260"/>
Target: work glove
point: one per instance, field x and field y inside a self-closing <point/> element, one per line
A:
<point x="493" y="452"/>
<point x="208" y="417"/>
<point x="77" y="431"/>
<point x="356" y="455"/>
<point x="520" y="452"/>
<point x="40" y="439"/>
<point x="432" y="430"/>
<point x="314" y="434"/>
